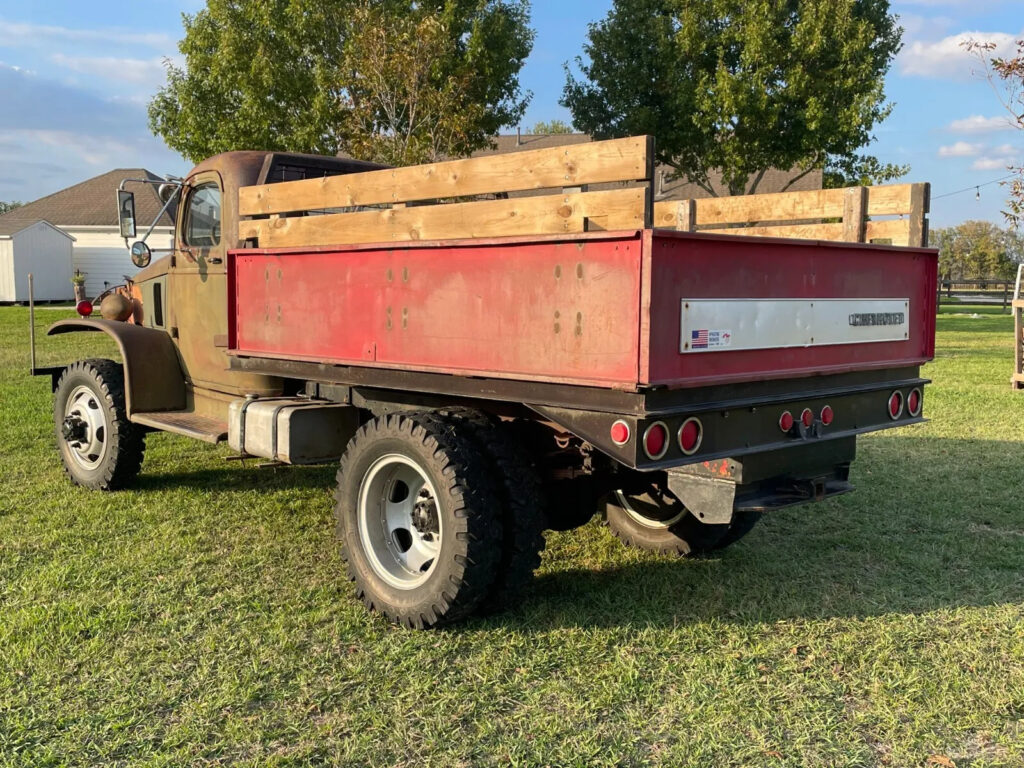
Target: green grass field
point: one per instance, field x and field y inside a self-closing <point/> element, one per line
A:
<point x="202" y="619"/>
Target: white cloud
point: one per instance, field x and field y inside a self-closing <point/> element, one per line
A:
<point x="981" y="124"/>
<point x="991" y="164"/>
<point x="960" y="149"/>
<point x="147" y="72"/>
<point x="947" y="58"/>
<point x="22" y="34"/>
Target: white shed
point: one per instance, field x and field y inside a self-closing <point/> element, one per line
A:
<point x="88" y="213"/>
<point x="40" y="248"/>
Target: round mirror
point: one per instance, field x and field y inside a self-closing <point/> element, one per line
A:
<point x="166" y="191"/>
<point x="141" y="255"/>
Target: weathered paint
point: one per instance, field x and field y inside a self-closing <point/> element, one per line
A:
<point x="593" y="309"/>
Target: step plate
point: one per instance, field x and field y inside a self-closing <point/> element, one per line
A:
<point x="185" y="423"/>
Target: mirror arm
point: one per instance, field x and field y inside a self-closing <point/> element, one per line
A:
<point x="162" y="210"/>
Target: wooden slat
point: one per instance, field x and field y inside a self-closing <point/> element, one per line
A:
<point x="596" y="162"/>
<point x="855" y="203"/>
<point x="781" y="206"/>
<point x="550" y="214"/>
<point x="801" y="231"/>
<point x="896" y="230"/>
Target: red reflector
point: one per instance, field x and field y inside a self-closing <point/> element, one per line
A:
<point x="690" y="436"/>
<point x="620" y="433"/>
<point x="786" y="421"/>
<point x="914" y="402"/>
<point x="84" y="308"/>
<point x="895" y="405"/>
<point x="656" y="440"/>
<point x="827" y="415"/>
<point x="807" y="418"/>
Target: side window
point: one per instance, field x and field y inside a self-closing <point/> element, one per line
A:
<point x="202" y="219"/>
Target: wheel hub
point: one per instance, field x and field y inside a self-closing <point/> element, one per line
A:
<point x="424" y="515"/>
<point x="84" y="428"/>
<point x="74" y="429"/>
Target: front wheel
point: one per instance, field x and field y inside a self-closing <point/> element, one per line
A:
<point x="656" y="521"/>
<point x="418" y="520"/>
<point x="100" y="448"/>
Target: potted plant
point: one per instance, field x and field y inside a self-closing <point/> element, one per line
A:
<point x="78" y="281"/>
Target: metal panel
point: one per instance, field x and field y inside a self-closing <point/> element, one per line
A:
<point x="537" y="309"/>
<point x="709" y="267"/>
<point x="718" y="325"/>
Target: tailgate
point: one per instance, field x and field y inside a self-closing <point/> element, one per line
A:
<point x="717" y="309"/>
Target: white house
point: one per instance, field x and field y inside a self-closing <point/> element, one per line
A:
<point x="87" y="213"/>
<point x="40" y="248"/>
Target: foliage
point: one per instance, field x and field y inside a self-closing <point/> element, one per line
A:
<point x="860" y="171"/>
<point x="542" y="128"/>
<point x="6" y="206"/>
<point x="396" y="81"/>
<point x="740" y="86"/>
<point x="977" y="249"/>
<point x="1006" y="76"/>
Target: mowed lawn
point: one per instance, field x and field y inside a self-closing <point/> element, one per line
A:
<point x="202" y="618"/>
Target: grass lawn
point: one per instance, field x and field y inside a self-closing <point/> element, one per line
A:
<point x="201" y="619"/>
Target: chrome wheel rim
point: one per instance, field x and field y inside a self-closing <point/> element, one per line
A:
<point x="85" y="429"/>
<point x="399" y="521"/>
<point x="636" y="507"/>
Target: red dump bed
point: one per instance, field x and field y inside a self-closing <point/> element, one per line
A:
<point x="617" y="309"/>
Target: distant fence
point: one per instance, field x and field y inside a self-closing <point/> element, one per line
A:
<point x="990" y="290"/>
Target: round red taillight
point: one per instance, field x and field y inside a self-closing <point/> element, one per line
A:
<point x="690" y="436"/>
<point x="656" y="440"/>
<point x="786" y="421"/>
<point x="620" y="432"/>
<point x="827" y="415"/>
<point x="895" y="405"/>
<point x="84" y="308"/>
<point x="807" y="418"/>
<point x="914" y="402"/>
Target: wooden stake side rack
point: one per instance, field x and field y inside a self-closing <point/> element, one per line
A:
<point x="602" y="185"/>
<point x="1017" y="380"/>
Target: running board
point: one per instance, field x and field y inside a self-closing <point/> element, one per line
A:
<point x="185" y="423"/>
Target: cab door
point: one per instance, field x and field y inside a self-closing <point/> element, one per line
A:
<point x="198" y="292"/>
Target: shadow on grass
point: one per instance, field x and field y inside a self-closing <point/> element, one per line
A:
<point x="935" y="524"/>
<point x="238" y="477"/>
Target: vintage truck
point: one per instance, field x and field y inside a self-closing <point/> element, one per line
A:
<point x="497" y="346"/>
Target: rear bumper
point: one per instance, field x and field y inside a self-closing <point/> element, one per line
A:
<point x="732" y="428"/>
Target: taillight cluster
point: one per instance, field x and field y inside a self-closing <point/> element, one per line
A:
<point x="657" y="438"/>
<point x="912" y="404"/>
<point x="787" y="421"/>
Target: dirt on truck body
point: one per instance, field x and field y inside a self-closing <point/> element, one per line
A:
<point x="484" y="367"/>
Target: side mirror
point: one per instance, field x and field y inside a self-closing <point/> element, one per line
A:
<point x="126" y="214"/>
<point x="141" y="255"/>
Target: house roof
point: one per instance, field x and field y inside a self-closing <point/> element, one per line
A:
<point x="92" y="202"/>
<point x="10" y="228"/>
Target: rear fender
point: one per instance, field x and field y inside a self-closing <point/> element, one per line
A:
<point x="153" y="379"/>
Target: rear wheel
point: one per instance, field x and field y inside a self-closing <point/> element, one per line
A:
<point x="100" y="448"/>
<point x="417" y="517"/>
<point x="656" y="521"/>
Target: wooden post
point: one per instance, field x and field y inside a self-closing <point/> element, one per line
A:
<point x="855" y="208"/>
<point x="920" y="202"/>
<point x="686" y="216"/>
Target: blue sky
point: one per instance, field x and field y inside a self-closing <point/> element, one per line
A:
<point x="75" y="77"/>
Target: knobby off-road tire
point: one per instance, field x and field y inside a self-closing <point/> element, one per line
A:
<point x="100" y="448"/>
<point x="521" y="496"/>
<point x="654" y="521"/>
<point x="417" y="518"/>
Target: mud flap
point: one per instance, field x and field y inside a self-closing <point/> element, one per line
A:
<point x="711" y="499"/>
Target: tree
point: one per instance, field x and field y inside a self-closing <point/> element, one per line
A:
<point x="9" y="206"/>
<point x="542" y="128"/>
<point x="741" y="86"/>
<point x="1006" y="76"/>
<point x="975" y="250"/>
<point x="398" y="81"/>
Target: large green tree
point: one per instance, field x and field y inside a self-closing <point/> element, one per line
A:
<point x="398" y="81"/>
<point x="977" y="250"/>
<point x="6" y="206"/>
<point x="741" y="86"/>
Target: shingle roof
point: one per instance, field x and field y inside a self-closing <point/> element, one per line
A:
<point x="14" y="226"/>
<point x="93" y="203"/>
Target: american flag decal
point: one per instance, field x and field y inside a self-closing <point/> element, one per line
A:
<point x="699" y="339"/>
